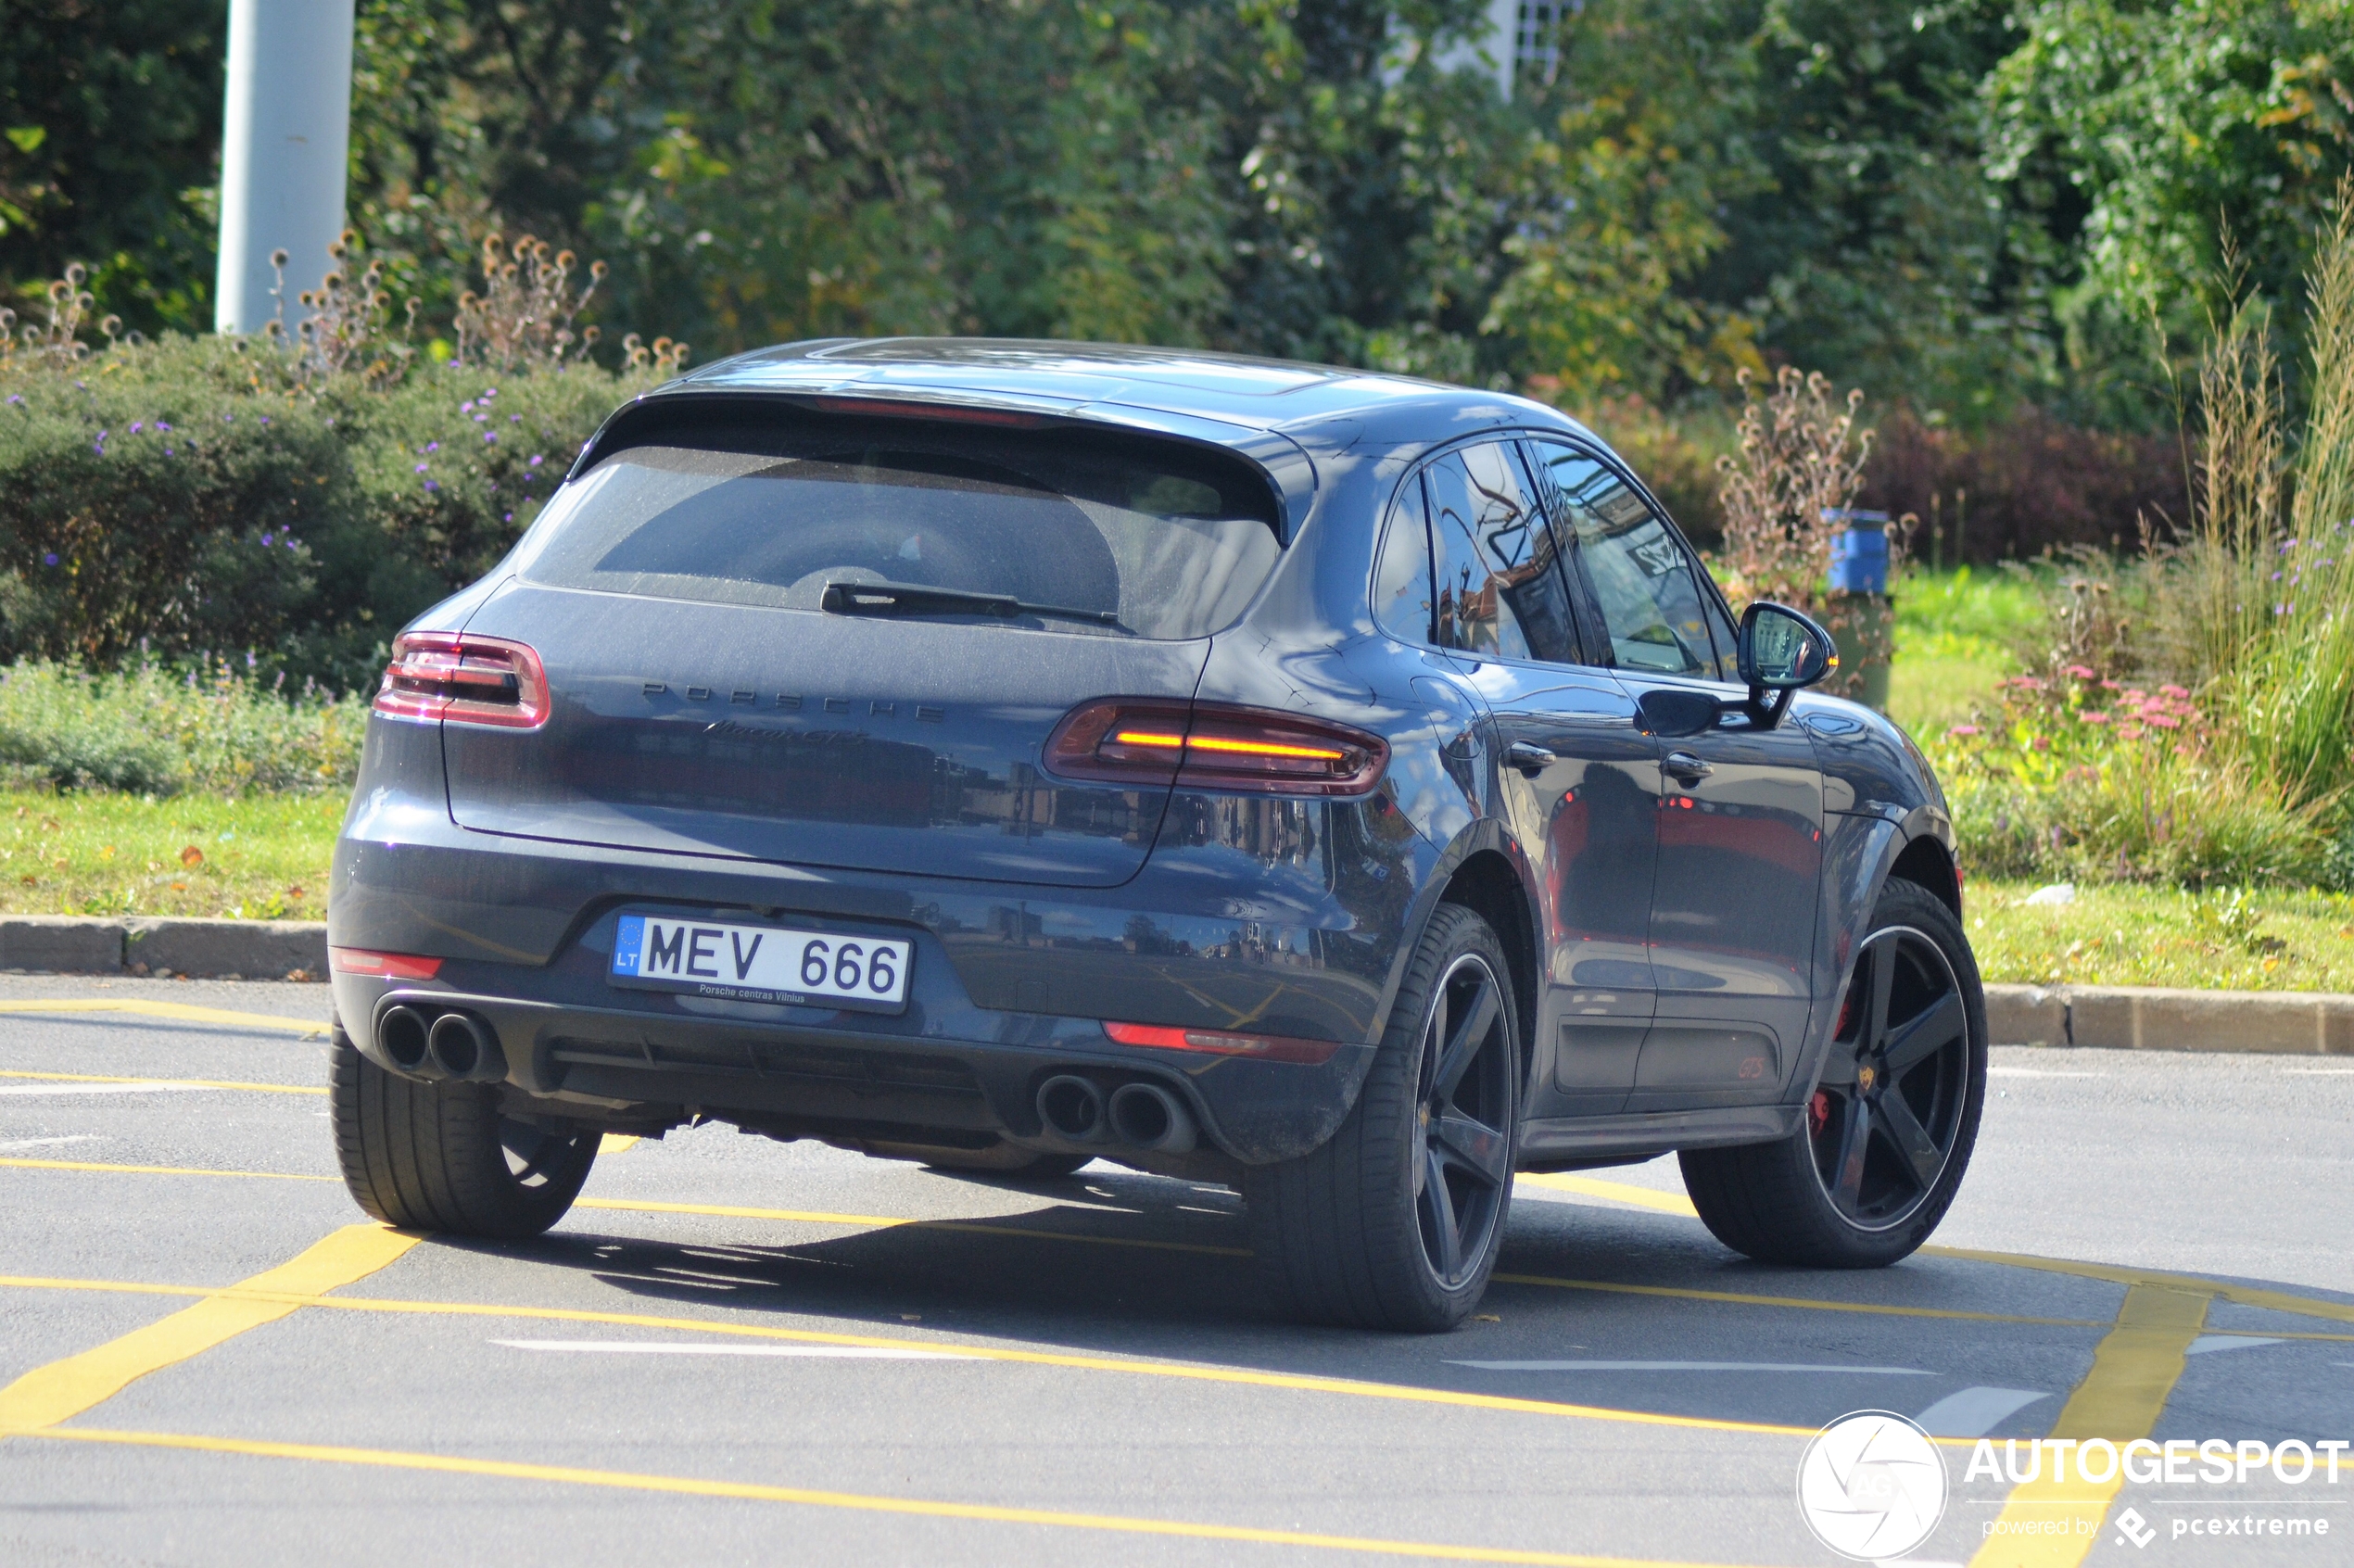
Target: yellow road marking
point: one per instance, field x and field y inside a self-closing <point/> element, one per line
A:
<point x="153" y="1169"/>
<point x="64" y="1389"/>
<point x="2161" y="1279"/>
<point x="1299" y="1383"/>
<point x="922" y="1507"/>
<point x="2133" y="1371"/>
<point x="1803" y="1302"/>
<point x="1617" y="1192"/>
<point x="616" y="1143"/>
<point x="2270" y="1300"/>
<point x="185" y="1082"/>
<point x="182" y="1011"/>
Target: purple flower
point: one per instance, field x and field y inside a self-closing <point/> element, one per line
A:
<point x="16" y="398"/>
<point x="433" y="445"/>
<point x="490" y="437"/>
<point x="265" y="540"/>
<point x="99" y="448"/>
<point x="50" y="559"/>
<point x="491" y="392"/>
<point x="265" y="419"/>
<point x="137" y="426"/>
<point x="536" y="460"/>
<point x="162" y="425"/>
<point x="514" y="419"/>
<point x="433" y="483"/>
<point x="510" y="517"/>
<point x="421" y="468"/>
<point x="166" y="451"/>
<point x="465" y="408"/>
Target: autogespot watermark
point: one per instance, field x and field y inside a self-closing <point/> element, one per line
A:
<point x="1872" y="1486"/>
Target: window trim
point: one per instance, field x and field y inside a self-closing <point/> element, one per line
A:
<point x="1705" y="583"/>
<point x="1581" y="614"/>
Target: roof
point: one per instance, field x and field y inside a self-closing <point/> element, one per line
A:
<point x="1318" y="405"/>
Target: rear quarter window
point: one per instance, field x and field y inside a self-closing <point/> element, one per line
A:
<point x="1173" y="540"/>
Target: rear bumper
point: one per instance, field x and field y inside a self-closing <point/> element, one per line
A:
<point x="637" y="1065"/>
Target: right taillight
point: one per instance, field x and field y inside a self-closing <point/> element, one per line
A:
<point x="464" y="680"/>
<point x="1213" y="746"/>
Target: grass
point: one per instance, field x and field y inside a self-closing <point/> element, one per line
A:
<point x="2132" y="934"/>
<point x="258" y="857"/>
<point x="1954" y="635"/>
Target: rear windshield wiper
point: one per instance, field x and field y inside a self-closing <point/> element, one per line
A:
<point x="914" y="598"/>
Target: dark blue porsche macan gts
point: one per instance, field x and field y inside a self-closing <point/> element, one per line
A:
<point x="1003" y="755"/>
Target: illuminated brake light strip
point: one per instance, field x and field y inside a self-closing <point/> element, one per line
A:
<point x="1212" y="743"/>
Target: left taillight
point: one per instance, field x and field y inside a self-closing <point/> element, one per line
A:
<point x="1214" y="746"/>
<point x="464" y="680"/>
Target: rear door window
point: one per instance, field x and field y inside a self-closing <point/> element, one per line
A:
<point x="1173" y="541"/>
<point x="1500" y="585"/>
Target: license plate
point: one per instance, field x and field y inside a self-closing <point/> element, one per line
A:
<point x="761" y="963"/>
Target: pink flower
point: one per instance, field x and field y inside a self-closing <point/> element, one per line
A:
<point x="2110" y="685"/>
<point x="2134" y="695"/>
<point x="1963" y="729"/>
<point x="2172" y="690"/>
<point x="2043" y="742"/>
<point x="2093" y="716"/>
<point x="2164" y="721"/>
<point x="2080" y="672"/>
<point x="2130" y="731"/>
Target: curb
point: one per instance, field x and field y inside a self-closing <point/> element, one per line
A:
<point x="295" y="950"/>
<point x="2134" y="1018"/>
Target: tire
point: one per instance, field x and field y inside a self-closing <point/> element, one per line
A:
<point x="1892" y="1120"/>
<point x="1396" y="1221"/>
<point x="442" y="1158"/>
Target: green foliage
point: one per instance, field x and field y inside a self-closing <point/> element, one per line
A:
<point x="191" y="496"/>
<point x="213" y="727"/>
<point x="2137" y="126"/>
<point x="109" y="143"/>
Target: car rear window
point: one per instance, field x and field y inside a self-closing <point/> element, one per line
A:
<point x="1171" y="541"/>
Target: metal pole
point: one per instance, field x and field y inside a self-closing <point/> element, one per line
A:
<point x="285" y="135"/>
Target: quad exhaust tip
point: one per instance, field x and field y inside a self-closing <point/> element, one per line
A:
<point x="1073" y="1107"/>
<point x="440" y="1047"/>
<point x="1149" y="1117"/>
<point x="1138" y="1116"/>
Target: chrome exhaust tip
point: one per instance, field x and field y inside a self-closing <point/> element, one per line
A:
<point x="1073" y="1107"/>
<point x="1147" y="1117"/>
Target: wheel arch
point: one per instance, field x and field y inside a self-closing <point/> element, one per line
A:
<point x="1487" y="883"/>
<point x="1926" y="862"/>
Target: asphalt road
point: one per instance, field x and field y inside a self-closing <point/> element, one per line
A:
<point x="736" y="1350"/>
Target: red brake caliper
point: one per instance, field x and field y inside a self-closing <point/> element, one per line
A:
<point x="1819" y="1112"/>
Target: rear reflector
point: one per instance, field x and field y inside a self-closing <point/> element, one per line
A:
<point x="1265" y="1047"/>
<point x="1213" y="746"/>
<point x="464" y="680"/>
<point x="384" y="966"/>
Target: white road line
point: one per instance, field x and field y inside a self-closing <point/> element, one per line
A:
<point x="156" y="1088"/>
<point x="13" y="1146"/>
<point x="838" y="1352"/>
<point x="2037" y="1072"/>
<point x="1687" y="1367"/>
<point x="1974" y="1412"/>
<point x="2208" y="1342"/>
<point x="2321" y="1072"/>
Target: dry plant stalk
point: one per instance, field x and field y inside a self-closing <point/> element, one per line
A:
<point x="1786" y="494"/>
<point x="59" y="343"/>
<point x="346" y="327"/>
<point x="525" y="310"/>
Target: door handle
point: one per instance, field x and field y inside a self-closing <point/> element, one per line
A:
<point x="1530" y="759"/>
<point x="1685" y="765"/>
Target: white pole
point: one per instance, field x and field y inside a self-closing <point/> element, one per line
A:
<point x="285" y="135"/>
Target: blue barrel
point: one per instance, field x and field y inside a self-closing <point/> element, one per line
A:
<point x="1859" y="553"/>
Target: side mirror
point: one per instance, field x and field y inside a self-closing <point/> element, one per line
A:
<point x="1781" y="651"/>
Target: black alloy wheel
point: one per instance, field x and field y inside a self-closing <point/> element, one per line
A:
<point x="1395" y="1221"/>
<point x="1464" y="1105"/>
<point x="1884" y="1118"/>
<point x="1884" y="1137"/>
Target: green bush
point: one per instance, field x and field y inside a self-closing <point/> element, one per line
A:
<point x="214" y="726"/>
<point x="192" y="496"/>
